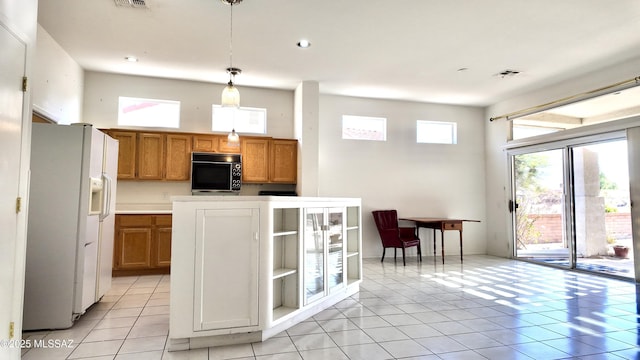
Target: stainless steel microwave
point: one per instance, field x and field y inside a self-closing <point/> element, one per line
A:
<point x="214" y="172"/>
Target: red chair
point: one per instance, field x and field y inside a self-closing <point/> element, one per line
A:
<point x="393" y="236"/>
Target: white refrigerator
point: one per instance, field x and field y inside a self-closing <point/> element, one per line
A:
<point x="71" y="223"/>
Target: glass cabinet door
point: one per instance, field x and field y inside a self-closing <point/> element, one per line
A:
<point x="314" y="225"/>
<point x="335" y="251"/>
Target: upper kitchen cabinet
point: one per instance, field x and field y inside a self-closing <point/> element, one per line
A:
<point x="126" y="153"/>
<point x="150" y="156"/>
<point x="255" y="160"/>
<point x="153" y="155"/>
<point x="205" y="143"/>
<point x="284" y="161"/>
<point x="266" y="160"/>
<point x="178" y="157"/>
<point x="214" y="143"/>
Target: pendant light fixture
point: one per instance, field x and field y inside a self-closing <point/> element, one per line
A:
<point x="230" y="94"/>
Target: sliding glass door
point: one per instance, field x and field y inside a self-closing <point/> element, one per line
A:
<point x="572" y="207"/>
<point x="539" y="189"/>
<point x="602" y="210"/>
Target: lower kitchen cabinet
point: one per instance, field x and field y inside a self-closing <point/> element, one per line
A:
<point x="250" y="267"/>
<point x="142" y="244"/>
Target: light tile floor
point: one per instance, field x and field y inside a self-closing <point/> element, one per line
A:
<point x="486" y="308"/>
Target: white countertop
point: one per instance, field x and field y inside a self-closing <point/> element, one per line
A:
<point x="209" y="198"/>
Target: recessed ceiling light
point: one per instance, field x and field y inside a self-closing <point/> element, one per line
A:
<point x="304" y="44"/>
<point x="131" y="58"/>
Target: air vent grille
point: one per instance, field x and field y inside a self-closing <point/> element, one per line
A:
<point x="132" y="3"/>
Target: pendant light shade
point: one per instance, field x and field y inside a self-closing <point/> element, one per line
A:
<point x="230" y="94"/>
<point x="233" y="137"/>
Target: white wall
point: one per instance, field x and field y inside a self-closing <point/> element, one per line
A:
<point x="101" y="109"/>
<point x="499" y="235"/>
<point x="416" y="179"/>
<point x="102" y="91"/>
<point x="57" y="82"/>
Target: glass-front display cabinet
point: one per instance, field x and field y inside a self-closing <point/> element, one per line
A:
<point x="323" y="252"/>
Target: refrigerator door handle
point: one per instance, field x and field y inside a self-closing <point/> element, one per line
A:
<point x="106" y="204"/>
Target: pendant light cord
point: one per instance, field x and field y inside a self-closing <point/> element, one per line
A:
<point x="231" y="43"/>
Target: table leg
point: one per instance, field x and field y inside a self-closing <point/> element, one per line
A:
<point x="442" y="243"/>
<point x="434" y="243"/>
<point x="460" y="245"/>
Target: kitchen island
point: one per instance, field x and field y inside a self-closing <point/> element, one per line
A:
<point x="245" y="268"/>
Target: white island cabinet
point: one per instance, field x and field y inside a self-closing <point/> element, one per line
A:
<point x="244" y="268"/>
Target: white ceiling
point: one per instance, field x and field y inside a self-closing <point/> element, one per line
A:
<point x="400" y="49"/>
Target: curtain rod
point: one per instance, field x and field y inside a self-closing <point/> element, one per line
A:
<point x="622" y="85"/>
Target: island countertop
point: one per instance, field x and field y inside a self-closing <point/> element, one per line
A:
<point x="205" y="198"/>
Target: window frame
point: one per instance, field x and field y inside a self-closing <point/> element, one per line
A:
<point x="168" y="108"/>
<point x="423" y="126"/>
<point x="346" y="119"/>
<point x="235" y="124"/>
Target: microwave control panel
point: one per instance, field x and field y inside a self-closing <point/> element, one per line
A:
<point x="236" y="176"/>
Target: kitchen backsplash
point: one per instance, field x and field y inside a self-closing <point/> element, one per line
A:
<point x="156" y="195"/>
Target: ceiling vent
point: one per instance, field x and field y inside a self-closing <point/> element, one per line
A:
<point x="507" y="72"/>
<point x="132" y="3"/>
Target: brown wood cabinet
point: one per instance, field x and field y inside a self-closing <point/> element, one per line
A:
<point x="266" y="160"/>
<point x="128" y="141"/>
<point x="284" y="161"/>
<point x="214" y="143"/>
<point x="205" y="143"/>
<point x="142" y="245"/>
<point x="255" y="160"/>
<point x="153" y="155"/>
<point x="167" y="156"/>
<point x="150" y="156"/>
<point x="178" y="157"/>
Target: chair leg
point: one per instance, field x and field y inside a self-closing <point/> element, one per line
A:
<point x="395" y="254"/>
<point x="419" y="253"/>
<point x="404" y="262"/>
<point x="384" y="249"/>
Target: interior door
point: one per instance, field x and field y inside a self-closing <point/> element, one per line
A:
<point x="11" y="112"/>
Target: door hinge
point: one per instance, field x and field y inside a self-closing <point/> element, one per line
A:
<point x="11" y="330"/>
<point x="24" y="84"/>
<point x="18" y="204"/>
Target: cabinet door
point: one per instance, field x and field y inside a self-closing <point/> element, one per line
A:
<point x="255" y="160"/>
<point x="226" y="294"/>
<point x="134" y="248"/>
<point x="224" y="146"/>
<point x="178" y="159"/>
<point x="284" y="161"/>
<point x="314" y="254"/>
<point x="205" y="143"/>
<point x="335" y="248"/>
<point x="126" y="154"/>
<point x="162" y="240"/>
<point x="163" y="247"/>
<point x="150" y="156"/>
